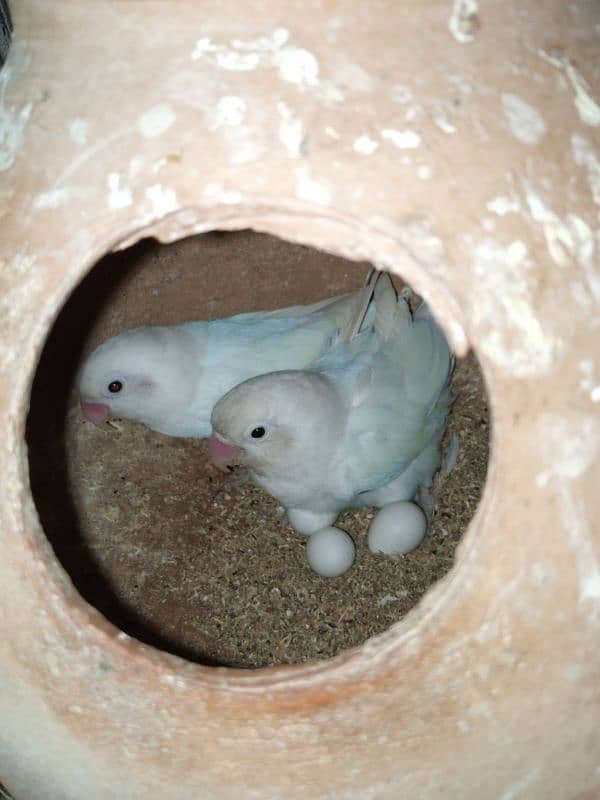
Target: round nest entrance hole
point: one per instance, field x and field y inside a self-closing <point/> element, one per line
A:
<point x="132" y="514"/>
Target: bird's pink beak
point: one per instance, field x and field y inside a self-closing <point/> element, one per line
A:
<point x="222" y="454"/>
<point x="94" y="412"/>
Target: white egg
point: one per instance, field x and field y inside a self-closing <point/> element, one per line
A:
<point x="397" y="529"/>
<point x="330" y="552"/>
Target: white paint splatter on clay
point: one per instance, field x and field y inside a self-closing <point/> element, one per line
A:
<point x="78" y="131"/>
<point x="159" y="164"/>
<point x="402" y="139"/>
<point x="424" y="172"/>
<point x="245" y="146"/>
<point x="559" y="240"/>
<point x="584" y="253"/>
<point x="243" y="141"/>
<point x="156" y="120"/>
<point x="587" y="108"/>
<point x="517" y="788"/>
<point x="516" y="341"/>
<point x="585" y="156"/>
<point x="230" y="198"/>
<point x="16" y="294"/>
<point x="264" y="44"/>
<point x="332" y="132"/>
<point x="118" y="197"/>
<point x="237" y="62"/>
<point x="526" y="123"/>
<point x="230" y="111"/>
<point x="568" y="241"/>
<point x="590" y="587"/>
<point x="569" y="445"/>
<point x="297" y="65"/>
<point x="443" y="123"/>
<point x="135" y="166"/>
<point x="504" y="205"/>
<point x="310" y="189"/>
<point x="580" y="294"/>
<point x="329" y="94"/>
<point x="163" y="200"/>
<point x="203" y="47"/>
<point x="588" y="382"/>
<point x="12" y="124"/>
<point x="90" y="152"/>
<point x="354" y="77"/>
<point x="224" y="57"/>
<point x="173" y="680"/>
<point x="463" y="20"/>
<point x="215" y="193"/>
<point x="51" y="199"/>
<point x="22" y="262"/>
<point x="242" y="55"/>
<point x="291" y="131"/>
<point x="365" y="145"/>
<point x="459" y="84"/>
<point x="401" y="94"/>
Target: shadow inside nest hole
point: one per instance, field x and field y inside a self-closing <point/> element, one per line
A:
<point x="132" y="514"/>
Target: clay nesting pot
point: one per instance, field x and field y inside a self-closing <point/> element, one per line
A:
<point x="454" y="145"/>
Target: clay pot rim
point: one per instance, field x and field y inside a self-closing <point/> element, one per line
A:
<point x="69" y="608"/>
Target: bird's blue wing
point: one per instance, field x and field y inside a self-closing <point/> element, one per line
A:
<point x="399" y="405"/>
<point x="241" y="347"/>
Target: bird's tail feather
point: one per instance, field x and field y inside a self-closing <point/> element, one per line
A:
<point x="392" y="312"/>
<point x="423" y="312"/>
<point x="362" y="304"/>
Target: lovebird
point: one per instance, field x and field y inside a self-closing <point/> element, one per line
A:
<point x="170" y="377"/>
<point x="361" y="427"/>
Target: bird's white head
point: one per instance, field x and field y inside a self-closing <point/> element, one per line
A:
<point x="142" y="375"/>
<point x="279" y="423"/>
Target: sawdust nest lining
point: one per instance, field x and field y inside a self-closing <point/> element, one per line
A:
<point x="132" y="516"/>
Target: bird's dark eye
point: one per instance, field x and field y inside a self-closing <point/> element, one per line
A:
<point x="258" y="433"/>
<point x="115" y="386"/>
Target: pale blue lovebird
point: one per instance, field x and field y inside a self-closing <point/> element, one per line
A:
<point x="361" y="427"/>
<point x="169" y="378"/>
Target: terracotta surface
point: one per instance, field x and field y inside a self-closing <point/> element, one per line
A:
<point x="481" y="188"/>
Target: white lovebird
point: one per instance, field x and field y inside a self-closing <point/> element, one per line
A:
<point x="169" y="378"/>
<point x="361" y="427"/>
